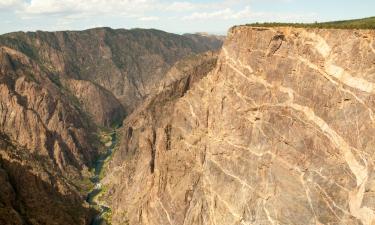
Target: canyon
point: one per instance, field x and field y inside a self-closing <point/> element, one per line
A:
<point x="275" y="126"/>
<point x="59" y="92"/>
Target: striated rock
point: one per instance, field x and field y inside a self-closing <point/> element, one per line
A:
<point x="37" y="114"/>
<point x="280" y="132"/>
<point x="136" y="163"/>
<point x="104" y="108"/>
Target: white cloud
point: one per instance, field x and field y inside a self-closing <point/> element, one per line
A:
<point x="209" y="15"/>
<point x="127" y="8"/>
<point x="149" y="18"/>
<point x="41" y="7"/>
<point x="10" y="4"/>
<point x="49" y="7"/>
<point x="248" y="14"/>
<point x="180" y="6"/>
<point x="225" y="14"/>
<point x="78" y="14"/>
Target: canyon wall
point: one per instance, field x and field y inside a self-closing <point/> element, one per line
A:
<point x="279" y="132"/>
<point x="46" y="147"/>
<point x="58" y="90"/>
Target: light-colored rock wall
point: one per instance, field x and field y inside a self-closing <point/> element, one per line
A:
<point x="280" y="132"/>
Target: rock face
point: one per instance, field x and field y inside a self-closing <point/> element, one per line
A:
<point x="36" y="113"/>
<point x="97" y="102"/>
<point x="34" y="192"/>
<point x="279" y="132"/>
<point x="128" y="63"/>
<point x="136" y="163"/>
<point x="45" y="147"/>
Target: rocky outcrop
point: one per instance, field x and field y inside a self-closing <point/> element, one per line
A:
<point x="128" y="63"/>
<point x="280" y="132"/>
<point x="100" y="104"/>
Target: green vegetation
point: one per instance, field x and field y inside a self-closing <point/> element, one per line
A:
<point x="107" y="216"/>
<point x="106" y="138"/>
<point x="84" y="185"/>
<point x="19" y="42"/>
<point x="107" y="212"/>
<point x="365" y="23"/>
<point x="103" y="191"/>
<point x="55" y="79"/>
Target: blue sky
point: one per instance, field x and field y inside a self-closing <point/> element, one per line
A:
<point x="171" y="15"/>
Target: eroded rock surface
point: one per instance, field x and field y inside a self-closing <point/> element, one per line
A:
<point x="46" y="147"/>
<point x="280" y="132"/>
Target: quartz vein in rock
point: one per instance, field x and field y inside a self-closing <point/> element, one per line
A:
<point x="280" y="131"/>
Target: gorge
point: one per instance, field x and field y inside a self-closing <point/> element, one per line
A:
<point x="273" y="125"/>
<point x="59" y="91"/>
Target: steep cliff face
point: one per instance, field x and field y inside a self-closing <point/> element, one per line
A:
<point x="128" y="63"/>
<point x="136" y="163"/>
<point x="100" y="104"/>
<point x="46" y="145"/>
<point x="280" y="132"/>
<point x="39" y="114"/>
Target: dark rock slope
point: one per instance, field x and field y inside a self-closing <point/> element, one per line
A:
<point x="209" y="40"/>
<point x="45" y="147"/>
<point x="100" y="104"/>
<point x="128" y="63"/>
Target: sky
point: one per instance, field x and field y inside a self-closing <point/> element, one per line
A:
<point x="187" y="16"/>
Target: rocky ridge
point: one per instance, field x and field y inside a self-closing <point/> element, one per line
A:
<point x="127" y="63"/>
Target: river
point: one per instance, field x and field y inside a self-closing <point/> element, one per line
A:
<point x="96" y="179"/>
